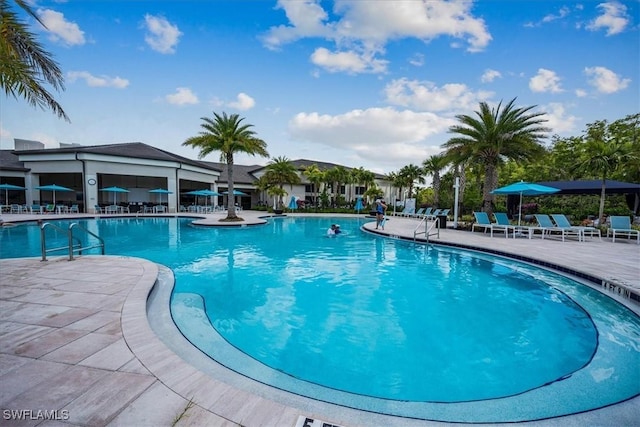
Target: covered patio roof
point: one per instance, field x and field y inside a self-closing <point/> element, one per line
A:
<point x="593" y="186"/>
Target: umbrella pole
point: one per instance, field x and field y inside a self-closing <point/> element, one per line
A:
<point x="520" y="210"/>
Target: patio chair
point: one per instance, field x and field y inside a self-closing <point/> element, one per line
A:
<point x="418" y="213"/>
<point x="404" y="211"/>
<point x="74" y="209"/>
<point x="97" y="209"/>
<point x="482" y="221"/>
<point x="548" y="227"/>
<point x="621" y="225"/>
<point x="563" y="222"/>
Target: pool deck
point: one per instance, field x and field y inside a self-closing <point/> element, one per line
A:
<point x="75" y="338"/>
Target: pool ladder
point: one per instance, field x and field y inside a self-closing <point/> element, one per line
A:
<point x="74" y="245"/>
<point x="428" y="227"/>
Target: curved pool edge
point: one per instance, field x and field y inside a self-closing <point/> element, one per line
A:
<point x="195" y="376"/>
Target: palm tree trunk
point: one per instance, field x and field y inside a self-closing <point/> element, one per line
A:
<point x="602" y="197"/>
<point x="231" y="207"/>
<point x="490" y="183"/>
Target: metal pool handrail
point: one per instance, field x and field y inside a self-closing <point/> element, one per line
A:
<point x="427" y="227"/>
<point x="71" y="246"/>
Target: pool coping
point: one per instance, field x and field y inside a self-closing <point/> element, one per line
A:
<point x="242" y="407"/>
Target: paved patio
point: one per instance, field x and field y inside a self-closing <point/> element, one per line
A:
<point x="75" y="340"/>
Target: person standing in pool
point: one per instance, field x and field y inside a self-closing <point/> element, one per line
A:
<point x="381" y="208"/>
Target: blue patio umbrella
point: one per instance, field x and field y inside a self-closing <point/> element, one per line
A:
<point x="6" y="187"/>
<point x="359" y="205"/>
<point x="53" y="188"/>
<point x="204" y="193"/>
<point x="525" y="189"/>
<point x="161" y="191"/>
<point x="115" y="191"/>
<point x="236" y="193"/>
<point x="292" y="203"/>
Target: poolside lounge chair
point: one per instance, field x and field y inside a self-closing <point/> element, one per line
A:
<point x="408" y="212"/>
<point x="562" y="222"/>
<point x="418" y="213"/>
<point x="482" y="221"/>
<point x="547" y="227"/>
<point x="401" y="213"/>
<point x="621" y="226"/>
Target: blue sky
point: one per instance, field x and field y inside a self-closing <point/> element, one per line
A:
<point x="369" y="83"/>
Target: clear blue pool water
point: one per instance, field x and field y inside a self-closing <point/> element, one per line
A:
<point x="382" y="324"/>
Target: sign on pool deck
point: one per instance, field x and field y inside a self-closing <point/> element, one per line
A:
<point x="310" y="422"/>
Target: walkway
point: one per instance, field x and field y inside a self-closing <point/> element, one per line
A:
<point x="75" y="341"/>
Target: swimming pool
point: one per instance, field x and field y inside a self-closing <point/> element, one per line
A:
<point x="336" y="319"/>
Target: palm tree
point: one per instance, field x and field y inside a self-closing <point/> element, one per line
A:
<point x="433" y="166"/>
<point x="602" y="155"/>
<point x="281" y="171"/>
<point x="24" y="64"/>
<point x="316" y="177"/>
<point x="228" y="135"/>
<point x="412" y="173"/>
<point x="494" y="135"/>
<point x="336" y="176"/>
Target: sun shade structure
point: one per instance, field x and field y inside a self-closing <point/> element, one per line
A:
<point x="115" y="191"/>
<point x="160" y="191"/>
<point x="236" y="193"/>
<point x="524" y="189"/>
<point x="53" y="188"/>
<point x="6" y="188"/>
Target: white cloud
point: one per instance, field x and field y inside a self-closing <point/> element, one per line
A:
<point x="347" y="61"/>
<point x="614" y="18"/>
<point x="161" y="35"/>
<point x="558" y="119"/>
<point x="417" y="60"/>
<point x="605" y="80"/>
<point x="490" y="75"/>
<point x="244" y="102"/>
<point x="60" y="29"/>
<point x="564" y="11"/>
<point x="102" y="81"/>
<point x="545" y="81"/>
<point x="380" y="134"/>
<point x="581" y="93"/>
<point x="182" y="96"/>
<point x="426" y="96"/>
<point x="364" y="28"/>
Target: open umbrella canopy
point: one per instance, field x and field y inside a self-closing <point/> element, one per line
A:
<point x="114" y="190"/>
<point x="524" y="189"/>
<point x="236" y="193"/>
<point x="292" y="203"/>
<point x="160" y="191"/>
<point x="53" y="188"/>
<point x="359" y="205"/>
<point x="6" y="188"/>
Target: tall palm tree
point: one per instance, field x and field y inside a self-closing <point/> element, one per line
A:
<point x="228" y="135"/>
<point x="412" y="173"/>
<point x="24" y="64"/>
<point x="433" y="166"/>
<point x="493" y="135"/>
<point x="280" y="171"/>
<point x="316" y="177"/>
<point x="336" y="176"/>
<point x="602" y="155"/>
